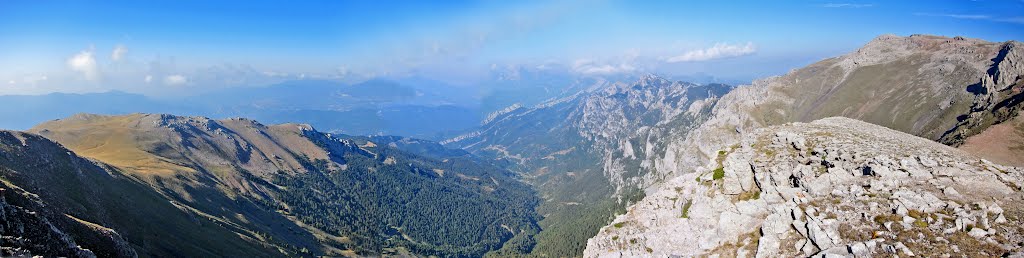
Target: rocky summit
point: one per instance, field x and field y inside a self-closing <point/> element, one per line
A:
<point x="835" y="186"/>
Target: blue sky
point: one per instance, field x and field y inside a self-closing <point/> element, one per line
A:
<point x="177" y="47"/>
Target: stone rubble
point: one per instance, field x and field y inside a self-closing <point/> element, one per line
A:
<point x="836" y="187"/>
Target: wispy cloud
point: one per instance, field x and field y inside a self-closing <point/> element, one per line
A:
<point x="718" y="51"/>
<point x="957" y="16"/>
<point x="1017" y="19"/>
<point x="174" y="80"/>
<point x="587" y="66"/>
<point x="118" y="53"/>
<point x="32" y="80"/>
<point x="846" y="5"/>
<point x="458" y="44"/>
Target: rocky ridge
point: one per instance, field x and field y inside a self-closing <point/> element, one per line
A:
<point x="926" y="85"/>
<point x="835" y="186"/>
<point x="625" y="126"/>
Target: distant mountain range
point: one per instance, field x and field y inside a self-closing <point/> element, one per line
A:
<point x="413" y="107"/>
<point x="372" y="107"/>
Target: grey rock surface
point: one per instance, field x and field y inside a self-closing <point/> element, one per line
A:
<point x="848" y="188"/>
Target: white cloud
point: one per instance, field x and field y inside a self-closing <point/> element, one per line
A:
<point x="85" y="63"/>
<point x="846" y="5"/>
<point x="720" y="50"/>
<point x="587" y="66"/>
<point x="118" y="53"/>
<point x="1015" y="19"/>
<point x="149" y="78"/>
<point x="969" y="16"/>
<point x="34" y="79"/>
<point x="1018" y="20"/>
<point x="959" y="16"/>
<point x="176" y="79"/>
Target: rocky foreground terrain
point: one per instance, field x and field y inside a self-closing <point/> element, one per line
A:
<point x="835" y="186"/>
<point x="953" y="91"/>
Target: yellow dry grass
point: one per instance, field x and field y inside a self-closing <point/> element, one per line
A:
<point x="116" y="144"/>
<point x="91" y="225"/>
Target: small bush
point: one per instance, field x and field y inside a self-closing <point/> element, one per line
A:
<point x="686" y="209"/>
<point x="618" y="225"/>
<point x="882" y="219"/>
<point x="718" y="174"/>
<point x="916" y="214"/>
<point x="749" y="195"/>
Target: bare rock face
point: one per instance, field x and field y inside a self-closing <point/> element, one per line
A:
<point x="24" y="233"/>
<point x="997" y="97"/>
<point x="836" y="186"/>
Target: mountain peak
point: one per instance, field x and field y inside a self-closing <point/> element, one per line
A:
<point x="923" y="42"/>
<point x="300" y="126"/>
<point x="651" y="79"/>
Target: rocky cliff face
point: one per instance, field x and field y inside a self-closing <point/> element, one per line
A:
<point x="592" y="153"/>
<point x="933" y="87"/>
<point x="833" y="186"/>
<point x="623" y="127"/>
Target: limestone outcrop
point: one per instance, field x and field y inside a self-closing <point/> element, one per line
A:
<point x="836" y="186"/>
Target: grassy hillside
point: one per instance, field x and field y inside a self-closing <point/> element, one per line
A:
<point x="107" y="212"/>
<point x="310" y="192"/>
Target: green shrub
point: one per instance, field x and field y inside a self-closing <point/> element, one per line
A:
<point x="719" y="173"/>
<point x="686" y="209"/>
<point x="749" y="195"/>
